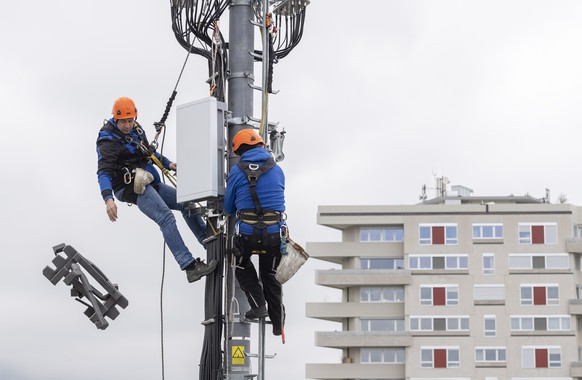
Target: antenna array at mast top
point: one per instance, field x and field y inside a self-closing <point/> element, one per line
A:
<point x="289" y="7"/>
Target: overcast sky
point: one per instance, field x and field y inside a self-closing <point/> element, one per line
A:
<point x="376" y="100"/>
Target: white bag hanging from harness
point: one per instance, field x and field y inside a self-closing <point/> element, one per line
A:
<point x="291" y="262"/>
<point x="141" y="180"/>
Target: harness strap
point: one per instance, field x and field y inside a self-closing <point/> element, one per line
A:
<point x="269" y="218"/>
<point x="254" y="172"/>
<point x="142" y="157"/>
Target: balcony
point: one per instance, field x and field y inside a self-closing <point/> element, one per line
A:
<point x="576" y="369"/>
<point x="338" y="252"/>
<point x="338" y="311"/>
<point x="354" y="371"/>
<point x="575" y="307"/>
<point x="341" y="339"/>
<point x="574" y="245"/>
<point x="346" y="278"/>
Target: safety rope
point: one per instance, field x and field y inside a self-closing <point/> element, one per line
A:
<point x="160" y="125"/>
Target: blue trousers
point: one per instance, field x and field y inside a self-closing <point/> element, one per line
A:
<point x="158" y="206"/>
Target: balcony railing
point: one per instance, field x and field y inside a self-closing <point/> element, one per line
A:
<point x="346" y="278"/>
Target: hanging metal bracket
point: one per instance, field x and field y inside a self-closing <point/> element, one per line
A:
<point x="70" y="268"/>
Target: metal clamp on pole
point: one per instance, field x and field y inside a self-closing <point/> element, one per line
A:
<point x="70" y="268"/>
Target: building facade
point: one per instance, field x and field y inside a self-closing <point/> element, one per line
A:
<point x="456" y="288"/>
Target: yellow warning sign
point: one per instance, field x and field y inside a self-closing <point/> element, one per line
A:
<point x="238" y="354"/>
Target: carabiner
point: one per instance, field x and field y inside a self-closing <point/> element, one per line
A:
<point x="126" y="176"/>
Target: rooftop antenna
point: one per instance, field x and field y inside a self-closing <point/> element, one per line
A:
<point x="441" y="186"/>
<point x="422" y="197"/>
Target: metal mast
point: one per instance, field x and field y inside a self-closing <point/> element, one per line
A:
<point x="196" y="26"/>
<point x="240" y="104"/>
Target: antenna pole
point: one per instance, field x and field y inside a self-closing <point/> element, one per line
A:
<point x="240" y="103"/>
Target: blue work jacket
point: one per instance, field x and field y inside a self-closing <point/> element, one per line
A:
<point x="270" y="189"/>
<point x="116" y="151"/>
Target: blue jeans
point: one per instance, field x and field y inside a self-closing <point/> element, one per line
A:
<point x="158" y="206"/>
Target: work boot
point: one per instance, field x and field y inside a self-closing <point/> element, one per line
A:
<point x="198" y="269"/>
<point x="259" y="312"/>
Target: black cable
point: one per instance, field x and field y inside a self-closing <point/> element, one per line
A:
<point x="288" y="36"/>
<point x="162" y="310"/>
<point x="271" y="62"/>
<point x="163" y="271"/>
<point x="211" y="363"/>
<point x="193" y="26"/>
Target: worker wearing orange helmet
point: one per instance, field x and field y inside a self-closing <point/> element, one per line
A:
<point x="255" y="194"/>
<point x="125" y="171"/>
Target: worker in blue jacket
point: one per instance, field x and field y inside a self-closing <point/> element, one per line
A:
<point x="126" y="172"/>
<point x="255" y="194"/>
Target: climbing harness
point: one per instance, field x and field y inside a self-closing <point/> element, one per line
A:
<point x="259" y="217"/>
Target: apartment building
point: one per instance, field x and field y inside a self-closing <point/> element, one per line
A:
<point x="457" y="287"/>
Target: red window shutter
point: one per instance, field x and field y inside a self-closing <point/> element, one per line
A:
<point x="440" y="358"/>
<point x="541" y="358"/>
<point x="539" y="294"/>
<point x="439" y="296"/>
<point x="438" y="235"/>
<point x="537" y="234"/>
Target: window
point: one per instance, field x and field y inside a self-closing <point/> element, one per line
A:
<point x="439" y="357"/>
<point x="539" y="261"/>
<point x="490" y="292"/>
<point x="382" y="324"/>
<point x="541" y="357"/>
<point x="439" y="295"/>
<point x="382" y="294"/>
<point x="390" y="234"/>
<point x="540" y="295"/>
<point x="440" y="234"/>
<point x="540" y="323"/>
<point x="490" y="354"/>
<point x="439" y="323"/>
<point x="488" y="231"/>
<point x="382" y="263"/>
<point x="429" y="262"/>
<point x="382" y="355"/>
<point x="489" y="325"/>
<point x="541" y="233"/>
<point x="488" y="263"/>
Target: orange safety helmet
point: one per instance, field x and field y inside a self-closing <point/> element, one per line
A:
<point x="124" y="108"/>
<point x="246" y="136"/>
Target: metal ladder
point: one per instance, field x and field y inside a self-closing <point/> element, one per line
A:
<point x="261" y="356"/>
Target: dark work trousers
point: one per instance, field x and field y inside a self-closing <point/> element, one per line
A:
<point x="272" y="290"/>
